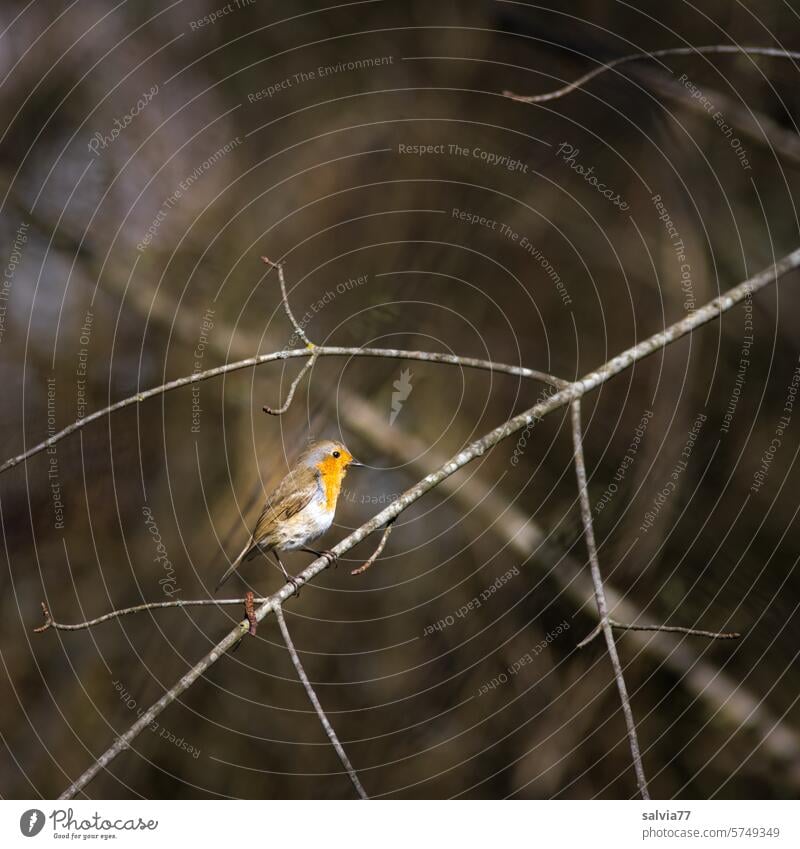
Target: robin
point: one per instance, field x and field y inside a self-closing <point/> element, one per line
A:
<point x="301" y="507"/>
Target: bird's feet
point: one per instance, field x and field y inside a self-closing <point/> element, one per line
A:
<point x="289" y="578"/>
<point x="332" y="559"/>
<point x="293" y="582"/>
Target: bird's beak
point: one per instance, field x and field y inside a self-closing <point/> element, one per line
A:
<point x="356" y="463"/>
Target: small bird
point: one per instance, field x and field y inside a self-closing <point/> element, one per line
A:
<point x="301" y="507"/>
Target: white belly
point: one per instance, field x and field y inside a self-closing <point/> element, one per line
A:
<point x="306" y="526"/>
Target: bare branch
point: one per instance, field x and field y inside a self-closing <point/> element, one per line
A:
<point x="654" y="54"/>
<point x="285" y="299"/>
<point x="701" y="316"/>
<point x="375" y="554"/>
<point x="312" y="696"/>
<point x="293" y="388"/>
<point x="475" y="449"/>
<point x="49" y="622"/>
<point x="286" y="354"/>
<point x="669" y="629"/>
<point x="600" y="598"/>
<point x="710" y="687"/>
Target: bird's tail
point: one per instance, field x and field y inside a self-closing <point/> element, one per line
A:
<point x="234" y="566"/>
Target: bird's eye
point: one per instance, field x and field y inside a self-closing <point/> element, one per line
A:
<point x="336" y="455"/>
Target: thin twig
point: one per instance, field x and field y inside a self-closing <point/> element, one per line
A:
<point x="285" y="298"/>
<point x="654" y="54"/>
<point x="575" y="390"/>
<point x="748" y="121"/>
<point x="286" y="354"/>
<point x="375" y="554"/>
<point x="293" y="388"/>
<point x="312" y="696"/>
<point x="49" y="622"/>
<point x="669" y="629"/>
<point x="600" y="598"/>
<point x="701" y="316"/>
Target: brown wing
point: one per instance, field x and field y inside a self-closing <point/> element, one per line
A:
<point x="293" y="494"/>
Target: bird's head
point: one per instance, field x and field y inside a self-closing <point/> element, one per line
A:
<point x="330" y="458"/>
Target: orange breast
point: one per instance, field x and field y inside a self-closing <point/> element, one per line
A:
<point x="332" y="476"/>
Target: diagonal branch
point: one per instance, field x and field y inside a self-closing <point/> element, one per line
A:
<point x="726" y="699"/>
<point x="312" y="696"/>
<point x="654" y="54"/>
<point x="600" y="598"/>
<point x="475" y="449"/>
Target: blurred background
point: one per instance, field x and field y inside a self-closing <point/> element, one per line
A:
<point x="152" y="154"/>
